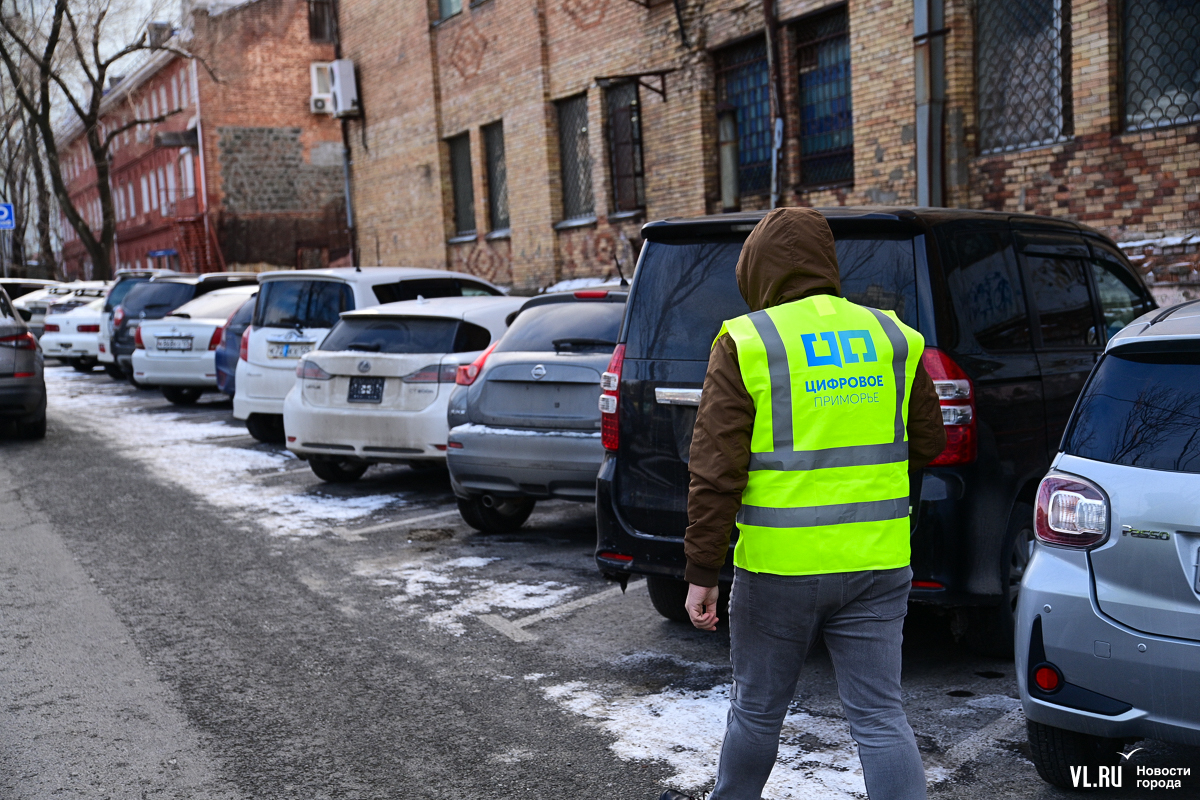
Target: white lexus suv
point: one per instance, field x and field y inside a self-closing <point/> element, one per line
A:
<point x="296" y="310"/>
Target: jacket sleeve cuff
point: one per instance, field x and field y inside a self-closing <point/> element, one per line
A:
<point x="701" y="576"/>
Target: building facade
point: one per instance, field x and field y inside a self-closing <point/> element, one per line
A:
<point x="240" y="174"/>
<point x="526" y="140"/>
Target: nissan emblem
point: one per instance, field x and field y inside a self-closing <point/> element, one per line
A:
<point x="539" y="372"/>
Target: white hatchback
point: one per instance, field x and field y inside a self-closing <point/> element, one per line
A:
<point x="74" y="337"/>
<point x="178" y="352"/>
<point x="295" y="311"/>
<point x="378" y="387"/>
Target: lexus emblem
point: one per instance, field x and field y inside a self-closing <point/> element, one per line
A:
<point x="539" y="372"/>
<point x="364" y="366"/>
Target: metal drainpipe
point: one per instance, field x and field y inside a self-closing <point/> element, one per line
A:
<point x="929" y="44"/>
<point x="347" y="160"/>
<point x="210" y="239"/>
<point x="771" y="24"/>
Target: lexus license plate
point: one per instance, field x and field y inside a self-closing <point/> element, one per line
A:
<point x="288" y="349"/>
<point x="365" y="390"/>
<point x="173" y="343"/>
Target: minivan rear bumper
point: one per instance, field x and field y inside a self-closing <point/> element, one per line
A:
<point x="523" y="463"/>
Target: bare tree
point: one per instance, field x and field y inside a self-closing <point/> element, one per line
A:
<point x="58" y="55"/>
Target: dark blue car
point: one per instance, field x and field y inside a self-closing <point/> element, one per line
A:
<point x="231" y="345"/>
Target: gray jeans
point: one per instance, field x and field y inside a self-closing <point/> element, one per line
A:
<point x="774" y="621"/>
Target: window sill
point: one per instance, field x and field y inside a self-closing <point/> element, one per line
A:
<point x="502" y="233"/>
<point x="577" y="222"/>
<point x="624" y="216"/>
<point x="444" y="20"/>
<point x="478" y="3"/>
<point x="462" y="238"/>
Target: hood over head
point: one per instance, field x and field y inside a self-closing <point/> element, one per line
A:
<point x="788" y="256"/>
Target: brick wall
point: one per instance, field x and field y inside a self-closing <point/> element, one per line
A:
<point x="425" y="80"/>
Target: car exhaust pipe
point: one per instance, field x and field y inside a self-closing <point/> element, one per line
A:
<point x="488" y="501"/>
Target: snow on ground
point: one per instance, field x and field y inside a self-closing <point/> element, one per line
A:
<point x="446" y="593"/>
<point x="191" y="455"/>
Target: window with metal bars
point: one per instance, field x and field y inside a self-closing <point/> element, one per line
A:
<point x="575" y="157"/>
<point x="826" y="120"/>
<point x="1023" y="57"/>
<point x="322" y="21"/>
<point x="1162" y="63"/>
<point x="743" y="99"/>
<point x="460" y="184"/>
<point x="497" y="176"/>
<point x="625" y="146"/>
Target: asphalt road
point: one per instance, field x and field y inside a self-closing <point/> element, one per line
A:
<point x="187" y="613"/>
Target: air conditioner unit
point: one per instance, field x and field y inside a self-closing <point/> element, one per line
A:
<point x="321" y="104"/>
<point x="345" y="88"/>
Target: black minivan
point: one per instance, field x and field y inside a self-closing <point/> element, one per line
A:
<point x="1014" y="309"/>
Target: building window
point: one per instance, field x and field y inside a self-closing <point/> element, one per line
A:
<point x="448" y="8"/>
<point x="575" y="157"/>
<point x="625" y="146"/>
<point x="743" y="103"/>
<point x="1023" y="72"/>
<point x="322" y="23"/>
<point x="1162" y="63"/>
<point x="826" y="121"/>
<point x="497" y="176"/>
<point x="460" y="183"/>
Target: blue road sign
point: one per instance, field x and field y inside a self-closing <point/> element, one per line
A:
<point x="7" y="222"/>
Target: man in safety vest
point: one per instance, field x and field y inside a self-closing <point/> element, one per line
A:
<point x="814" y="411"/>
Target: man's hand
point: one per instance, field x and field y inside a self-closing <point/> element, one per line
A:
<point x="702" y="606"/>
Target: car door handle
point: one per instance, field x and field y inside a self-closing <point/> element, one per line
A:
<point x="677" y="397"/>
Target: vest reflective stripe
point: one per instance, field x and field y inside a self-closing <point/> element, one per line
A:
<point x="815" y="516"/>
<point x="832" y="378"/>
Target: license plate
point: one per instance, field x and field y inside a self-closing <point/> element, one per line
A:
<point x="288" y="349"/>
<point x="173" y="343"/>
<point x="365" y="390"/>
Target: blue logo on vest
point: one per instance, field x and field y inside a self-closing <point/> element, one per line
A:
<point x="830" y="340"/>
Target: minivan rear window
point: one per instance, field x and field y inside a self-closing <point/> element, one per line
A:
<point x="565" y="327"/>
<point x="407" y="335"/>
<point x="289" y="303"/>
<point x="1141" y="410"/>
<point x="211" y="306"/>
<point x="684" y="292"/>
<point x="119" y="292"/>
<point x="156" y="299"/>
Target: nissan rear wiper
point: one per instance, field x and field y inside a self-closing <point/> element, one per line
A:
<point x="560" y="344"/>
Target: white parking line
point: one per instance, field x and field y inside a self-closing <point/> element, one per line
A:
<point x="515" y="628"/>
<point x="1005" y="728"/>
<point x="354" y="534"/>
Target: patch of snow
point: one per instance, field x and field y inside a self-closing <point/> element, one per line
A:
<point x="470" y="562"/>
<point x="487" y="430"/>
<point x="192" y="456"/>
<point x="998" y="702"/>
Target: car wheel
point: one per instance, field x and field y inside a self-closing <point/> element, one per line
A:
<point x="114" y="371"/>
<point x="994" y="627"/>
<point x="1055" y="751"/>
<point x="266" y="428"/>
<point x="668" y="596"/>
<point x="83" y="365"/>
<point x="181" y="395"/>
<point x="337" y="470"/>
<point x="489" y="514"/>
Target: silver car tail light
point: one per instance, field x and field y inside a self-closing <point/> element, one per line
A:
<point x="1071" y="512"/>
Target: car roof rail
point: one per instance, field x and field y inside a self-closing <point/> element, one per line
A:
<point x="1169" y="311"/>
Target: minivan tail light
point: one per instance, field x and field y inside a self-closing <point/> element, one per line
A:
<point x="309" y="370"/>
<point x="215" y="341"/>
<point x="138" y="344"/>
<point x="956" y="394"/>
<point x="610" y="400"/>
<point x="467" y="373"/>
<point x="244" y="345"/>
<point x="1071" y="512"/>
<point x="118" y="317"/>
<point x="433" y="373"/>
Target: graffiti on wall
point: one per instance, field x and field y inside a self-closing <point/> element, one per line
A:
<point x="586" y="13"/>
<point x="490" y="260"/>
<point x="595" y="252"/>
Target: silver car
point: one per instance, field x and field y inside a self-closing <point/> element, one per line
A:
<point x="22" y="385"/>
<point x="524" y="420"/>
<point x="1108" y="622"/>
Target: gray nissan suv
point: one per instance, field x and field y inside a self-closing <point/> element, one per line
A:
<point x="1108" y="622"/>
<point x="524" y="420"/>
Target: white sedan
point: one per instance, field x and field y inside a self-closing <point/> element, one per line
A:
<point x="377" y="388"/>
<point x="74" y="337"/>
<point x="177" y="352"/>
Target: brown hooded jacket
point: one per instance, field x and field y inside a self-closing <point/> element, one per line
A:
<point x="789" y="256"/>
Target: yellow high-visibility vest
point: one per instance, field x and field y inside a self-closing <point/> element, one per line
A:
<point x="828" y="482"/>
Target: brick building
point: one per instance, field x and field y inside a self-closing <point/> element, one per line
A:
<point x="241" y="174"/>
<point x="526" y="140"/>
